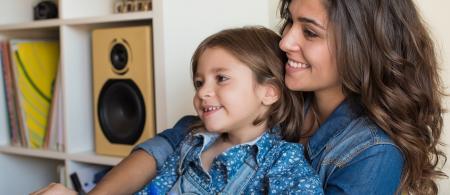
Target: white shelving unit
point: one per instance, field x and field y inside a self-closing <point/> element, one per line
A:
<point x="178" y="27"/>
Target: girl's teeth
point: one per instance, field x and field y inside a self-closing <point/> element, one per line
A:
<point x="208" y="109"/>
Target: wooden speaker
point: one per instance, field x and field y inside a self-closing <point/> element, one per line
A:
<point x="122" y="88"/>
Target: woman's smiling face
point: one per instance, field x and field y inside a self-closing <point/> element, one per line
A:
<point x="309" y="44"/>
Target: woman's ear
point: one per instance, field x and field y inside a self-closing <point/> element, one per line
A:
<point x="271" y="94"/>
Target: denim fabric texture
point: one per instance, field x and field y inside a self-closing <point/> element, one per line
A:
<point x="349" y="152"/>
<point x="165" y="143"/>
<point x="267" y="165"/>
<point x="352" y="155"/>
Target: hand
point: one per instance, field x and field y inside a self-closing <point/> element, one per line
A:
<point x="54" y="189"/>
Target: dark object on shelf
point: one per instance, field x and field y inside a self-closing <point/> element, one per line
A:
<point x="77" y="184"/>
<point x="124" y="6"/>
<point x="45" y="10"/>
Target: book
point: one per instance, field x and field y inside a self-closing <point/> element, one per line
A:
<point x="11" y="104"/>
<point x="2" y="82"/>
<point x="61" y="171"/>
<point x="35" y="64"/>
<point x="53" y="137"/>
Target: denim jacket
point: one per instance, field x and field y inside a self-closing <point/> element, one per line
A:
<point x="266" y="165"/>
<point x="349" y="152"/>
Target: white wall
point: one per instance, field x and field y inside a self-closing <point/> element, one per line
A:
<point x="436" y="13"/>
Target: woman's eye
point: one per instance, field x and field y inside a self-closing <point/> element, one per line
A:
<point x="221" y="78"/>
<point x="288" y="20"/>
<point x="309" y="33"/>
<point x="198" y="84"/>
<point x="287" y="16"/>
<point x="287" y="25"/>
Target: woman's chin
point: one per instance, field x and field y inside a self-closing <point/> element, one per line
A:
<point x="293" y="86"/>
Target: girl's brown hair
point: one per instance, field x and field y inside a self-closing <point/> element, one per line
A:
<point x="387" y="63"/>
<point x="257" y="47"/>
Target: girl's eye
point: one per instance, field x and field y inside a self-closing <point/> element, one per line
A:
<point x="309" y="34"/>
<point x="198" y="84"/>
<point x="221" y="78"/>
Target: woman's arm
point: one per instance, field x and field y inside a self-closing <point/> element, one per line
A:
<point x="128" y="176"/>
<point x="167" y="142"/>
<point x="167" y="175"/>
<point x="136" y="170"/>
<point x="125" y="178"/>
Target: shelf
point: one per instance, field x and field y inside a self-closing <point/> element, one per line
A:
<point x="86" y="157"/>
<point x="93" y="158"/>
<point x="33" y="152"/>
<point x="31" y="25"/>
<point x="120" y="17"/>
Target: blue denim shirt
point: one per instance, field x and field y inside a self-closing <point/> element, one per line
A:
<point x="276" y="167"/>
<point x="350" y="153"/>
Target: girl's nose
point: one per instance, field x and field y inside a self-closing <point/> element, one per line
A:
<point x="205" y="92"/>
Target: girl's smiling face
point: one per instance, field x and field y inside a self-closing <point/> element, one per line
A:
<point x="228" y="97"/>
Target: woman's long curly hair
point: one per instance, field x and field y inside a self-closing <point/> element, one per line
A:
<point x="387" y="64"/>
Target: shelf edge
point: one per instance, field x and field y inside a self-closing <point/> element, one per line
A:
<point x="50" y="23"/>
<point x="38" y="153"/>
<point x="90" y="157"/>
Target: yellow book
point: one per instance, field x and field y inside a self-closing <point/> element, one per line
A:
<point x="35" y="64"/>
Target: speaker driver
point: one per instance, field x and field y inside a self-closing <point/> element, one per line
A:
<point x="121" y="111"/>
<point x="119" y="56"/>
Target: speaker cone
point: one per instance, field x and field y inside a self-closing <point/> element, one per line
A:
<point x="121" y="111"/>
<point x="119" y="56"/>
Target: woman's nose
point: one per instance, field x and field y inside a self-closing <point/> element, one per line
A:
<point x="290" y="40"/>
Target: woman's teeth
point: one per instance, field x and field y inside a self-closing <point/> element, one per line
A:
<point x="294" y="64"/>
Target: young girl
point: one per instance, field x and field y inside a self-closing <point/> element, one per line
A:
<point x="241" y="101"/>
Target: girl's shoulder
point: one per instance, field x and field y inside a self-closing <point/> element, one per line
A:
<point x="282" y="150"/>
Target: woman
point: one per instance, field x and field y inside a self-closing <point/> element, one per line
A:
<point x="373" y="115"/>
<point x="381" y="60"/>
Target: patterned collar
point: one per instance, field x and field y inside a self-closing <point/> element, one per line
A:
<point x="258" y="146"/>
